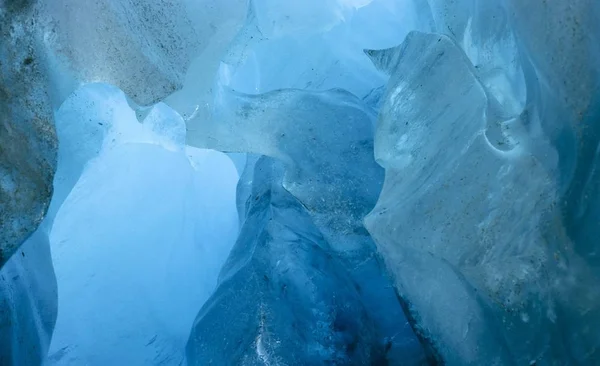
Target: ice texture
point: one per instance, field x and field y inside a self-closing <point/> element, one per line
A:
<point x="49" y="48"/>
<point x="27" y="164"/>
<point x="325" y="142"/>
<point x="486" y="210"/>
<point x="28" y="305"/>
<point x="142" y="47"/>
<point x="153" y="249"/>
<point x="283" y="298"/>
<point x="27" y="136"/>
<point x="314" y="133"/>
<point x="315" y="45"/>
<point x="481" y="181"/>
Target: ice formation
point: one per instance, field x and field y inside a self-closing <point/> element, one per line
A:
<point x="153" y="281"/>
<point x="282" y="297"/>
<point x="418" y="182"/>
<point x="489" y="182"/>
<point x="27" y="136"/>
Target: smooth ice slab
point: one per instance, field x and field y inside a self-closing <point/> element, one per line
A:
<point x="463" y="225"/>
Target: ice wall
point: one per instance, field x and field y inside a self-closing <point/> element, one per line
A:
<point x="144" y="230"/>
<point x="488" y="170"/>
<point x="27" y="136"/>
<point x="482" y="175"/>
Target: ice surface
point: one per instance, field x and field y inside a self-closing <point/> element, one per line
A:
<point x="27" y="164"/>
<point x="441" y="208"/>
<point x="283" y="298"/>
<point x="143" y="226"/>
<point x="486" y="126"/>
<point x="28" y="305"/>
<point x="144" y="48"/>
<point x="325" y="141"/>
<point x="471" y="220"/>
<point x="316" y="45"/>
<point x="317" y="134"/>
<point x="27" y="136"/>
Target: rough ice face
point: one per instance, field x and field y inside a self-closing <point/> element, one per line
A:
<point x="27" y="136"/>
<point x="282" y="297"/>
<point x="473" y="199"/>
<point x="163" y="234"/>
<point x="217" y="25"/>
<point x="47" y="49"/>
<point x="557" y="127"/>
<point x="563" y="91"/>
<point x="324" y="140"/>
<point x="312" y="132"/>
<point x="29" y="283"/>
<point x="144" y="48"/>
<point x="27" y="164"/>
<point x="495" y="107"/>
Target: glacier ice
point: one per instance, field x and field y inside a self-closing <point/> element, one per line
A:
<point x="27" y="162"/>
<point x="284" y="297"/>
<point x="485" y="177"/>
<point x="479" y="189"/>
<point x="316" y="45"/>
<point x="28" y="304"/>
<point x="50" y="47"/>
<point x="316" y="134"/>
<point x="444" y="192"/>
<point x="153" y="280"/>
<point x="144" y="48"/>
<point x="27" y="136"/>
<point x="324" y="140"/>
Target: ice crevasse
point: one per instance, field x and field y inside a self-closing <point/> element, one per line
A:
<point x="325" y="182"/>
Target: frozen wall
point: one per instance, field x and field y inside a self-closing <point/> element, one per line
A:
<point x="468" y="129"/>
<point x="139" y="241"/>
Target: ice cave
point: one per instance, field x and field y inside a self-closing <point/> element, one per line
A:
<point x="299" y="182"/>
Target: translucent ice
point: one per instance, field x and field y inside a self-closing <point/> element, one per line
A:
<point x="317" y="45"/>
<point x="28" y="305"/>
<point x="153" y="248"/>
<point x="485" y="199"/>
<point x="470" y="220"/>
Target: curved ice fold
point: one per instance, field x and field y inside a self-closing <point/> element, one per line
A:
<point x="324" y="140"/>
<point x="283" y="298"/>
<point x="317" y="45"/>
